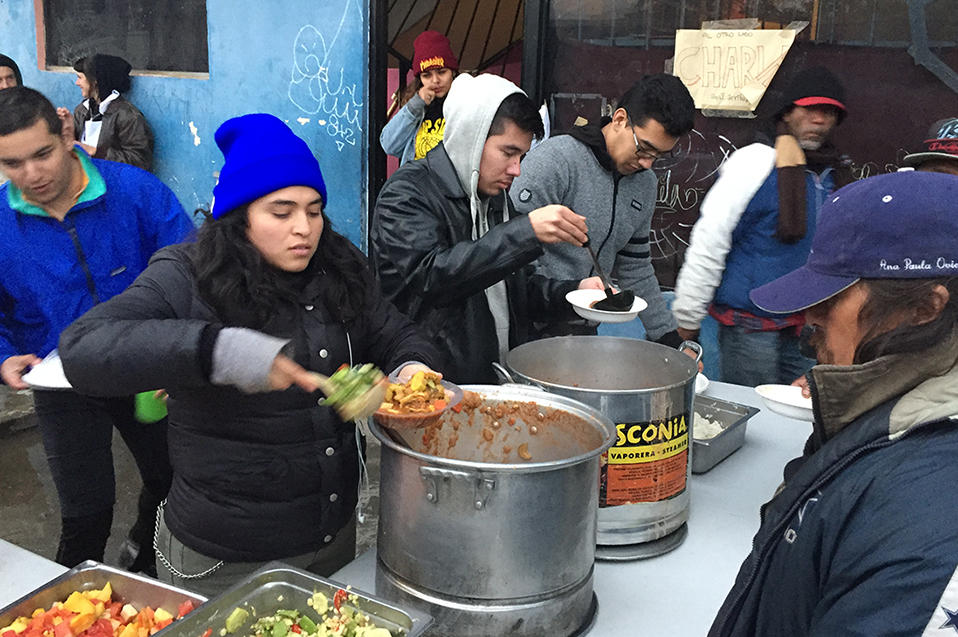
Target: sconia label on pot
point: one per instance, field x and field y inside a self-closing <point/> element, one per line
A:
<point x="649" y="462"/>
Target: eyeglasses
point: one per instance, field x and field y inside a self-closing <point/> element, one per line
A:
<point x="653" y="154"/>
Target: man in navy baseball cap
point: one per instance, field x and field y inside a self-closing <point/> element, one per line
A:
<point x="900" y="226"/>
<point x="861" y="538"/>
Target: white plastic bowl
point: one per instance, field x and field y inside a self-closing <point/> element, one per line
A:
<point x="47" y="374"/>
<point x="787" y="400"/>
<point x="582" y="299"/>
<point x="701" y="383"/>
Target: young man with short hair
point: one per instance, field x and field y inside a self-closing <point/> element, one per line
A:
<point x="448" y="246"/>
<point x="603" y="171"/>
<point x="75" y="231"/>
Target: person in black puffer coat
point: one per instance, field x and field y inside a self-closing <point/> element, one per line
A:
<point x="229" y="326"/>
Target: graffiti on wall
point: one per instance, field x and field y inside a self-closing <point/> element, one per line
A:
<point x="321" y="83"/>
<point x="683" y="181"/>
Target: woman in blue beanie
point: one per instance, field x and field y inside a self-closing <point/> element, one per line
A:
<point x="229" y="326"/>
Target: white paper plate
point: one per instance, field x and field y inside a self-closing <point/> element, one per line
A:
<point x="582" y="299"/>
<point x="48" y="374"/>
<point x="787" y="400"/>
<point x="701" y="383"/>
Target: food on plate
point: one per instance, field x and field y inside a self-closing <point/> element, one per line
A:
<point x="422" y="394"/>
<point x="336" y="619"/>
<point x="351" y="382"/>
<point x="94" y="613"/>
<point x="606" y="307"/>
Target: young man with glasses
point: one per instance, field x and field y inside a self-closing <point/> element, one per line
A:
<point x="757" y="223"/>
<point x="602" y="171"/>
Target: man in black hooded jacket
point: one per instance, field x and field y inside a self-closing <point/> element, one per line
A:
<point x="448" y="246"/>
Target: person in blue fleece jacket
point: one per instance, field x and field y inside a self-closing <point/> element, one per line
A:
<point x="75" y="231"/>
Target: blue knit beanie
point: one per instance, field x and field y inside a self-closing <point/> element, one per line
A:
<point x="262" y="156"/>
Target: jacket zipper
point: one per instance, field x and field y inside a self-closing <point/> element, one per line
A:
<point x="820" y="192"/>
<point x="91" y="286"/>
<point x="734" y="610"/>
<point x="615" y="198"/>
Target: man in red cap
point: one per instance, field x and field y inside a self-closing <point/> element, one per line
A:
<point x="419" y="125"/>
<point x="756" y="224"/>
<point x="940" y="154"/>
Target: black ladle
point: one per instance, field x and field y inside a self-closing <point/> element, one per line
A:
<point x="613" y="301"/>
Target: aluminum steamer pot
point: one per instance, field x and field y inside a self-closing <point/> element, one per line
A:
<point x="486" y="542"/>
<point x="647" y="390"/>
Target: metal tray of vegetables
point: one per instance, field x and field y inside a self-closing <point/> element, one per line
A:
<point x="718" y="430"/>
<point x="130" y="589"/>
<point x="281" y="601"/>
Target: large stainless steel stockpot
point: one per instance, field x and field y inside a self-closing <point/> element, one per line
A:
<point x="647" y="390"/>
<point x="485" y="541"/>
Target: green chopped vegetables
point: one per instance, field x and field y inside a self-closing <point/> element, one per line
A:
<point x="351" y="382"/>
<point x="236" y="619"/>
<point x="307" y="624"/>
<point x="336" y="620"/>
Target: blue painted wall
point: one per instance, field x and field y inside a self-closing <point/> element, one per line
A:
<point x="302" y="60"/>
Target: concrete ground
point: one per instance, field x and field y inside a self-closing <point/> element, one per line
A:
<point x="29" y="513"/>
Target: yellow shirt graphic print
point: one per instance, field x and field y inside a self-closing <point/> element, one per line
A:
<point x="429" y="135"/>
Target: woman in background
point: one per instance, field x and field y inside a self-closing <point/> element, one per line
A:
<point x="419" y="125"/>
<point x="105" y="124"/>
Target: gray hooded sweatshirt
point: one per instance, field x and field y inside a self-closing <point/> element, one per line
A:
<point x="470" y="107"/>
<point x="618" y="210"/>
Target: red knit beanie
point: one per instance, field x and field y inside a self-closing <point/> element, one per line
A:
<point x="432" y="51"/>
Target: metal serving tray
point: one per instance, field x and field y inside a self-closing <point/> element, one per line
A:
<point x="733" y="417"/>
<point x="277" y="586"/>
<point x="128" y="588"/>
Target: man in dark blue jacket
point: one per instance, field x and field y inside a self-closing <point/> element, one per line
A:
<point x="75" y="231"/>
<point x="757" y="223"/>
<point x="861" y="538"/>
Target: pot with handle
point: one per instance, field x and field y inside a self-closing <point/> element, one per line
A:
<point x="488" y="520"/>
<point x="647" y="390"/>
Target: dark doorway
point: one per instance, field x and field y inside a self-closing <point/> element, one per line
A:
<point x="486" y="36"/>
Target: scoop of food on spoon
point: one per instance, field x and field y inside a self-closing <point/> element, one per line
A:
<point x="355" y="392"/>
<point x="614" y="301"/>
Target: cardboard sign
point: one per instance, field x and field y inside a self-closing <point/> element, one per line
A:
<point x="729" y="69"/>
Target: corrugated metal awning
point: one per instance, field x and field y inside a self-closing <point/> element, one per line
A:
<point x="481" y="31"/>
